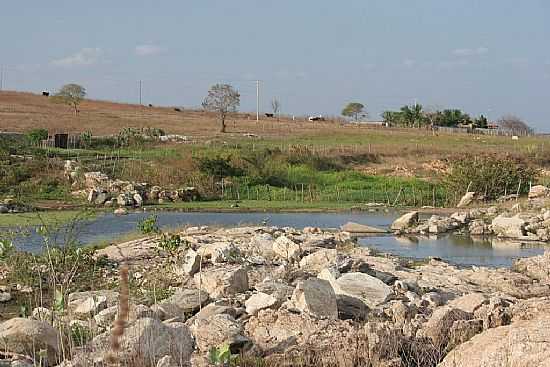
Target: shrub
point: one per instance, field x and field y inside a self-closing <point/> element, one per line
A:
<point x="148" y="225"/>
<point x="35" y="136"/>
<point x="490" y="175"/>
<point x="86" y="139"/>
<point x="218" y="167"/>
<point x="171" y="242"/>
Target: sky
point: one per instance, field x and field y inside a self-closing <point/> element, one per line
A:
<point x="487" y="57"/>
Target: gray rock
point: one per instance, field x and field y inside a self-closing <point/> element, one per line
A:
<point x="190" y="264"/>
<point x="315" y="297"/>
<point x="438" y="326"/>
<point x="368" y="289"/>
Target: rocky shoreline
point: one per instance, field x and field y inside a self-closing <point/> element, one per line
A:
<point x="294" y="297"/>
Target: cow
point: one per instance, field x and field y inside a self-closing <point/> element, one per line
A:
<point x="268" y="115"/>
<point x="45" y="93"/>
<point x="177" y="109"/>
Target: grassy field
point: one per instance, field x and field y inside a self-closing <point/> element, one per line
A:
<point x="287" y="164"/>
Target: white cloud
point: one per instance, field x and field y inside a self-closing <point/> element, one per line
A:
<point x="84" y="57"/>
<point x="147" y="50"/>
<point x="470" y="51"/>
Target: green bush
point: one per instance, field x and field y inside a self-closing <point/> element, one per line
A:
<point x="35" y="136"/>
<point x="490" y="175"/>
<point x="218" y="167"/>
<point x="149" y="225"/>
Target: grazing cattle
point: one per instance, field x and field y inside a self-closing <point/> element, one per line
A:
<point x="268" y="115"/>
<point x="150" y="105"/>
<point x="177" y="109"/>
<point x="45" y="93"/>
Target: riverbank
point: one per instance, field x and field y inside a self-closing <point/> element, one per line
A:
<point x="272" y="294"/>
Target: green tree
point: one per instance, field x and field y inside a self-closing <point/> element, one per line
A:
<point x="354" y="109"/>
<point x="222" y="99"/>
<point x="72" y="95"/>
<point x="451" y="118"/>
<point x="413" y="115"/>
<point x="481" y="122"/>
<point x="393" y="118"/>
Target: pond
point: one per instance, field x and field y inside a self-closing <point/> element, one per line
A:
<point x="457" y="249"/>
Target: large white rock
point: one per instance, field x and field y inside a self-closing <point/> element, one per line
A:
<point x="29" y="337"/>
<point x="286" y="249"/>
<point x="368" y="289"/>
<point x="509" y="227"/>
<point x="190" y="263"/>
<point x="319" y="260"/>
<point x="315" y="297"/>
<point x="222" y="282"/>
<point x="405" y="221"/>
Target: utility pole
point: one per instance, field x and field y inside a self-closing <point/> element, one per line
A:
<point x="140" y="93"/>
<point x="1" y="77"/>
<point x="257" y="100"/>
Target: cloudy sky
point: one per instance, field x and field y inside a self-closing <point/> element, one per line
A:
<point x="490" y="56"/>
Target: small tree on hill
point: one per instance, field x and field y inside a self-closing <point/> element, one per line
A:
<point x="222" y="99"/>
<point x="354" y="109"/>
<point x="72" y="95"/>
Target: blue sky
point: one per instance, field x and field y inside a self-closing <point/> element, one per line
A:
<point x="490" y="56"/>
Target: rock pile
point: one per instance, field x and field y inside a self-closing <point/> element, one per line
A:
<point x="99" y="189"/>
<point x="526" y="226"/>
<point x="281" y="293"/>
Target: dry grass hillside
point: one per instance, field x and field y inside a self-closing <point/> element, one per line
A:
<point x="21" y="112"/>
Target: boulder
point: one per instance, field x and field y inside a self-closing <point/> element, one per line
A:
<point x="509" y="227"/>
<point x="405" y="221"/>
<point x="368" y="289"/>
<point x="469" y="302"/>
<point x="217" y="330"/>
<point x="536" y="267"/>
<point x="352" y="227"/>
<point x="89" y="306"/>
<point x="524" y="343"/>
<point x="466" y="200"/>
<point x="259" y="301"/>
<point x="5" y="296"/>
<point x="319" y="260"/>
<point x="30" y="337"/>
<point x="190" y="263"/>
<point x="4" y="209"/>
<point x="286" y="249"/>
<point x="147" y="340"/>
<point x="438" y="326"/>
<point x="101" y="198"/>
<point x="315" y="297"/>
<point x="463" y="330"/>
<point x="538" y="191"/>
<point x="219" y="252"/>
<point x="223" y="282"/>
<point x="182" y="302"/>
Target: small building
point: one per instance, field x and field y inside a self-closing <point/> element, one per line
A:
<point x="62" y="140"/>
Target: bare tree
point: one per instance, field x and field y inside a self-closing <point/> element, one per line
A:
<point x="275" y="106"/>
<point x="222" y="99"/>
<point x="72" y="95"/>
<point x="515" y="124"/>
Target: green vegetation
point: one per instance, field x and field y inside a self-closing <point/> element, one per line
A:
<point x="355" y="110"/>
<point x="148" y="225"/>
<point x="491" y="176"/>
<point x="72" y="95"/>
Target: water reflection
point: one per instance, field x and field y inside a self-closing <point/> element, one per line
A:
<point x="453" y="248"/>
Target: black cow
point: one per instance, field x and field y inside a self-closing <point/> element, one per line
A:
<point x="46" y="93"/>
<point x="268" y="115"/>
